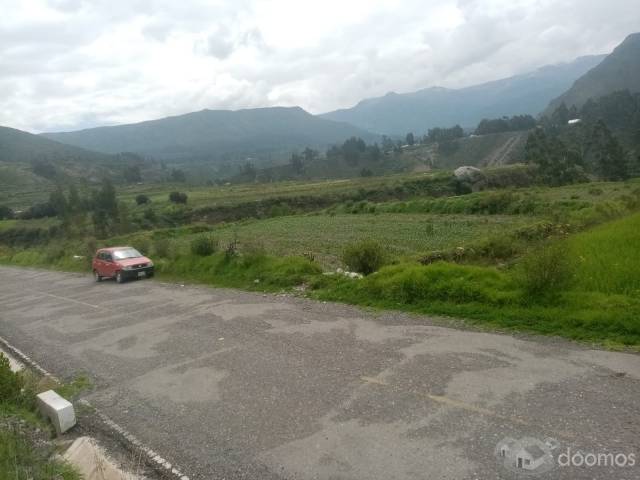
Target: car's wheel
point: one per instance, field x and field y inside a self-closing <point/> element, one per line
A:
<point x="97" y="277"/>
<point x="119" y="277"/>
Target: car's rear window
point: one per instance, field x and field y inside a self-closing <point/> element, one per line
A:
<point x="126" y="253"/>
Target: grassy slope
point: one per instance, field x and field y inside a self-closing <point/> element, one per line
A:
<point x="602" y="305"/>
<point x="608" y="259"/>
<point x="404" y="235"/>
<point x="25" y="450"/>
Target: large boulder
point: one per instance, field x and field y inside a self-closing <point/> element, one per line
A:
<point x="469" y="174"/>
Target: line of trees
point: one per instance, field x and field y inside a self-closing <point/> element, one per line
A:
<point x="505" y="124"/>
<point x="605" y="143"/>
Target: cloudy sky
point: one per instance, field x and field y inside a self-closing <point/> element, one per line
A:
<point x="68" y="64"/>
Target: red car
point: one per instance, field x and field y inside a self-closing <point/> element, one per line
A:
<point x="121" y="263"/>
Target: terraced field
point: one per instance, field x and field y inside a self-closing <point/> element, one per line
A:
<point x="404" y="235"/>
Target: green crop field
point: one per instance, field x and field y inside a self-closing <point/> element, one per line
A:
<point x="234" y="194"/>
<point x="325" y="236"/>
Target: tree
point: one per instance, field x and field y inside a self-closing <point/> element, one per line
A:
<point x="309" y="155"/>
<point x="557" y="165"/>
<point x="6" y="213"/>
<point x="58" y="202"/>
<point x="387" y="144"/>
<point x="105" y="199"/>
<point x="74" y="202"/>
<point x="560" y="116"/>
<point x="105" y="209"/>
<point x="374" y="153"/>
<point x="410" y="139"/>
<point x="297" y="164"/>
<point x="608" y="155"/>
<point x="142" y="199"/>
<point x="352" y="149"/>
<point x="178" y="197"/>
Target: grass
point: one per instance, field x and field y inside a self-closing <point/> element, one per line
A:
<point x="493" y="298"/>
<point x="325" y="236"/>
<point x="600" y="304"/>
<point x="254" y="271"/>
<point x="26" y="452"/>
<point x="607" y="257"/>
<point x="19" y="460"/>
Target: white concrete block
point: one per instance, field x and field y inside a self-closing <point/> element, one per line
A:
<point x="59" y="410"/>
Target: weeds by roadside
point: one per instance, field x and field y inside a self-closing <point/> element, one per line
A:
<point x="25" y="450"/>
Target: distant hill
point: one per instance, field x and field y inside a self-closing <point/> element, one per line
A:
<point x="211" y="135"/>
<point x="31" y="166"/>
<point x="618" y="71"/>
<point x="432" y="107"/>
<point x="17" y="146"/>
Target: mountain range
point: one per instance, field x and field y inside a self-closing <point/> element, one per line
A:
<point x="217" y="137"/>
<point x="210" y="135"/>
<point x="620" y="70"/>
<point x="432" y="107"/>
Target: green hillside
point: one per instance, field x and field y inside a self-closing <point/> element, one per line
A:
<point x="399" y="113"/>
<point x="17" y="146"/>
<point x="619" y="71"/>
<point x="217" y="135"/>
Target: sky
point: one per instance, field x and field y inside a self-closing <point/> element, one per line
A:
<point x="71" y="64"/>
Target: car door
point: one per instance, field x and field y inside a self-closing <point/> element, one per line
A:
<point x="99" y="264"/>
<point x="109" y="265"/>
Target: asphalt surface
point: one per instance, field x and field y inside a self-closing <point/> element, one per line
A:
<point x="234" y="385"/>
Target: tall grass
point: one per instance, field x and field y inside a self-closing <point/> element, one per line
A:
<point x="608" y="257"/>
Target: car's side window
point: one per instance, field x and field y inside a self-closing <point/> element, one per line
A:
<point x="101" y="255"/>
<point x="107" y="257"/>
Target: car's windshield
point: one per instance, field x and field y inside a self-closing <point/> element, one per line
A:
<point x="126" y="253"/>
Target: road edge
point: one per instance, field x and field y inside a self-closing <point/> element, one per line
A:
<point x="157" y="462"/>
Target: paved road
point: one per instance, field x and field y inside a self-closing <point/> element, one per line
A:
<point x="236" y="385"/>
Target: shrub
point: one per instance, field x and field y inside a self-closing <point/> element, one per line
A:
<point x="203" y="245"/>
<point x="364" y="257"/>
<point x="547" y="272"/>
<point x="142" y="244"/>
<point x="142" y="199"/>
<point x="9" y="382"/>
<point x="178" y="197"/>
<point x="5" y="213"/>
<point x="162" y="247"/>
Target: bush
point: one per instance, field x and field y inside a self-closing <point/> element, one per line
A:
<point x="547" y="272"/>
<point x="9" y="382"/>
<point x="162" y="247"/>
<point x="142" y="199"/>
<point x="142" y="244"/>
<point x="178" y="197"/>
<point x="203" y="245"/>
<point x="5" y="213"/>
<point x="364" y="257"/>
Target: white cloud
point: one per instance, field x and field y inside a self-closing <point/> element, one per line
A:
<point x="67" y="64"/>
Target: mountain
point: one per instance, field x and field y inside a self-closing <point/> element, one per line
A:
<point x="17" y="146"/>
<point x="432" y="107"/>
<point x="620" y="70"/>
<point x="216" y="134"/>
<point x="31" y="166"/>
